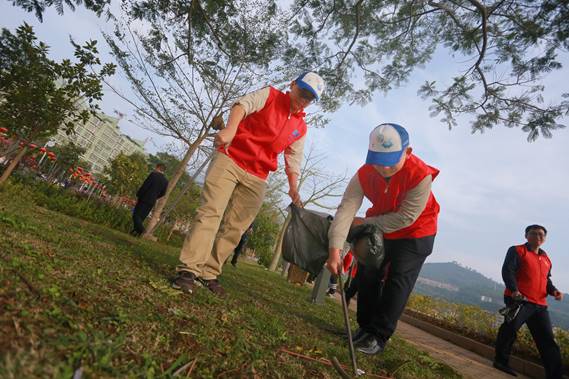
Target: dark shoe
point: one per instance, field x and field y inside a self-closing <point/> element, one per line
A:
<point x="234" y="264"/>
<point x="331" y="292"/>
<point x="358" y="335"/>
<point x="213" y="285"/>
<point x="184" y="281"/>
<point x="370" y="344"/>
<point x="505" y="368"/>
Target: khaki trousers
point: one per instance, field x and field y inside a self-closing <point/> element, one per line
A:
<point x="229" y="192"/>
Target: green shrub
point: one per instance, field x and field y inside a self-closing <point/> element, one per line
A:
<point x="26" y="189"/>
<point x="66" y="201"/>
<point x="78" y="205"/>
<point x="480" y="324"/>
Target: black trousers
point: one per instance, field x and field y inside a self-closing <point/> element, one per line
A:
<point x="239" y="249"/>
<point x="383" y="292"/>
<point x="141" y="211"/>
<point x="536" y="317"/>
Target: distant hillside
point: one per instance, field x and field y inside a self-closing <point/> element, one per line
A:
<point x="453" y="282"/>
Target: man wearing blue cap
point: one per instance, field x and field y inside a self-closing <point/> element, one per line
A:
<point x="261" y="125"/>
<point x="398" y="184"/>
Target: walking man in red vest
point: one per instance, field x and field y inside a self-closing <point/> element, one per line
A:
<point x="398" y="184"/>
<point x="261" y="125"/>
<point x="527" y="275"/>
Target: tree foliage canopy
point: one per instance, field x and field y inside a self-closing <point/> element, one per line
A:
<point x="126" y="173"/>
<point x="366" y="46"/>
<point x="40" y="96"/>
<point x="241" y="31"/>
<point x="39" y="6"/>
<point x="69" y="155"/>
<point x="362" y="47"/>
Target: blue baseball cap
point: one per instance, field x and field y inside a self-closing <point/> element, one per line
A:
<point x="387" y="143"/>
<point x="312" y="82"/>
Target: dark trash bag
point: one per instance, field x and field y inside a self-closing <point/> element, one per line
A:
<point x="369" y="241"/>
<point x="305" y="241"/>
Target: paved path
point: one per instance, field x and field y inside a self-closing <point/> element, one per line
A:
<point x="467" y="363"/>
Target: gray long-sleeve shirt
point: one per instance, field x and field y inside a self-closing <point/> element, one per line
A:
<point x="411" y="208"/>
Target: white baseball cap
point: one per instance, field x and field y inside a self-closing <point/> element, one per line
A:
<point x="312" y="82"/>
<point x="387" y="143"/>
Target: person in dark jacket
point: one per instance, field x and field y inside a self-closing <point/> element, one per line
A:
<point x="153" y="188"/>
<point x="527" y="275"/>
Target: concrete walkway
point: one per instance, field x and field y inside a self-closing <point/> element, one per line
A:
<point x="465" y="362"/>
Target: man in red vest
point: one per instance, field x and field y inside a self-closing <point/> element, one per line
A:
<point x="527" y="275"/>
<point x="261" y="125"/>
<point x="398" y="184"/>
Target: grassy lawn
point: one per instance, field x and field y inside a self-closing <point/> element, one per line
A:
<point x="78" y="295"/>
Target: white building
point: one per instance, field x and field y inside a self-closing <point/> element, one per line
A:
<point x="102" y="139"/>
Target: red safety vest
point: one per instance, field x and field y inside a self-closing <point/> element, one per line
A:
<point x="387" y="196"/>
<point x="263" y="135"/>
<point x="531" y="277"/>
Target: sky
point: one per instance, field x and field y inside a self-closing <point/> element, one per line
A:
<point x="490" y="186"/>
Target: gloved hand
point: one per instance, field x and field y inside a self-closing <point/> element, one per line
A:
<point x="367" y="244"/>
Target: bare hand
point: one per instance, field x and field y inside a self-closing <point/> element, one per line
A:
<point x="517" y="295"/>
<point x="295" y="197"/>
<point x="558" y="295"/>
<point x="334" y="263"/>
<point x="224" y="137"/>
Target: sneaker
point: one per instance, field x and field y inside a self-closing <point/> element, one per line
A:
<point x="213" y="285"/>
<point x="184" y="281"/>
<point x="358" y="335"/>
<point x="370" y="345"/>
<point x="505" y="368"/>
<point x="331" y="292"/>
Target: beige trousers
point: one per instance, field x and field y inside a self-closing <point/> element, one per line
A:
<point x="231" y="193"/>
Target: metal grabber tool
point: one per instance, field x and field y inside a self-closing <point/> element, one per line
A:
<point x="356" y="371"/>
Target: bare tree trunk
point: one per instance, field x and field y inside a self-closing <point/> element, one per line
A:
<point x="160" y="204"/>
<point x="171" y="231"/>
<point x="279" y="245"/>
<point x="12" y="165"/>
<point x="10" y="150"/>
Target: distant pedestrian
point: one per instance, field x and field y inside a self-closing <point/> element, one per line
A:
<point x="153" y="188"/>
<point x="242" y="244"/>
<point x="527" y="275"/>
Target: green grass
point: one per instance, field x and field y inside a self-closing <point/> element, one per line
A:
<point x="76" y="294"/>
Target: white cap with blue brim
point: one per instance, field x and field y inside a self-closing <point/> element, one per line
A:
<point x="312" y="82"/>
<point x="387" y="143"/>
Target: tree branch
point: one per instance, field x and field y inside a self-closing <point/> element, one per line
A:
<point x="356" y="34"/>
